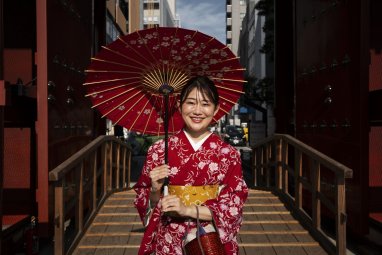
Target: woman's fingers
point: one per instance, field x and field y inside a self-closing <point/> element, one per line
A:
<point x="171" y="203"/>
<point x="159" y="172"/>
<point x="154" y="175"/>
<point x="157" y="176"/>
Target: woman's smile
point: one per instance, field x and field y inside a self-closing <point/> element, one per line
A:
<point x="197" y="119"/>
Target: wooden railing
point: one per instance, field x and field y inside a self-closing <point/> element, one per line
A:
<point x="82" y="183"/>
<point x="305" y="178"/>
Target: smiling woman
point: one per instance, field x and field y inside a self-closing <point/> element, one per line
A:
<point x="201" y="164"/>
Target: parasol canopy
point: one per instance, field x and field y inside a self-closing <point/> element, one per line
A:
<point x="126" y="80"/>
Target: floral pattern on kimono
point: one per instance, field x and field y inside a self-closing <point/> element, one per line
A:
<point x="215" y="162"/>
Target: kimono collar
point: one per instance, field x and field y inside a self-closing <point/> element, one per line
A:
<point x="196" y="145"/>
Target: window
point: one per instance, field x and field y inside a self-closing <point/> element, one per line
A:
<point x="111" y="30"/>
<point x="151" y="6"/>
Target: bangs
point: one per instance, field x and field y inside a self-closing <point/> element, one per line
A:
<point x="203" y="85"/>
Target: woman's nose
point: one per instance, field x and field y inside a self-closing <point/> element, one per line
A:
<point x="197" y="108"/>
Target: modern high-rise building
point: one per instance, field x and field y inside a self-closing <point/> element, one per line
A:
<point x="159" y="13"/>
<point x="235" y="13"/>
<point x="122" y="17"/>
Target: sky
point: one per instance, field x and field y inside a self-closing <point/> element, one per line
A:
<point x="205" y="16"/>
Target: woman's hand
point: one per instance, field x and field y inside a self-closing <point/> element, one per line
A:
<point x="157" y="176"/>
<point x="172" y="203"/>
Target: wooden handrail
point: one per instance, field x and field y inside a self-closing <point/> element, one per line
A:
<point x="98" y="170"/>
<point x="65" y="166"/>
<point x="272" y="166"/>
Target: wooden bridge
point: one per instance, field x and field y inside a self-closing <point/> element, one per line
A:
<point x="94" y="211"/>
<point x="268" y="228"/>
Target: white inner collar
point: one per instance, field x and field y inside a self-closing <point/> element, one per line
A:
<point x="196" y="145"/>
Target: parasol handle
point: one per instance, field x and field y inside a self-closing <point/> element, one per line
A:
<point x="166" y="181"/>
<point x="166" y="90"/>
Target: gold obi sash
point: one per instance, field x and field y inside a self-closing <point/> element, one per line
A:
<point x="194" y="195"/>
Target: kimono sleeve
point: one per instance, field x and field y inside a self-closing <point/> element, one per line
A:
<point x="227" y="209"/>
<point x="143" y="185"/>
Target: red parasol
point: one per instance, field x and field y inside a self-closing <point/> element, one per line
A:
<point x="127" y="79"/>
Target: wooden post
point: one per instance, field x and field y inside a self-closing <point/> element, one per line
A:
<point x="124" y="168"/>
<point x="297" y="176"/>
<point x="59" y="244"/>
<point x="262" y="162"/>
<point x="340" y="216"/>
<point x="285" y="166"/>
<point x="80" y="201"/>
<point x="268" y="160"/>
<point x="104" y="151"/>
<point x="129" y="168"/>
<point x="94" y="195"/>
<point x="110" y="168"/>
<point x="278" y="159"/>
<point x="262" y="151"/>
<point x="254" y="165"/>
<point x="316" y="188"/>
<point x="117" y="177"/>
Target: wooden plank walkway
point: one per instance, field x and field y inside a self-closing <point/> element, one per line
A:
<point x="268" y="228"/>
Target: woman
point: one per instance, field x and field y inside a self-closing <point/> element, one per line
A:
<point x="197" y="158"/>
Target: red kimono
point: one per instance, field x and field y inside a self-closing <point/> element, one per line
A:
<point x="215" y="162"/>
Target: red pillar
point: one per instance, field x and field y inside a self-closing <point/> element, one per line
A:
<point x="2" y="103"/>
<point x="42" y="191"/>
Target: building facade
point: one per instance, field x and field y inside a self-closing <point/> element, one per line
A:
<point x="235" y="13"/>
<point x="159" y="13"/>
<point x="259" y="74"/>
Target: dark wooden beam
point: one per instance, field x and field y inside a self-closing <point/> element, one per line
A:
<point x="1" y="119"/>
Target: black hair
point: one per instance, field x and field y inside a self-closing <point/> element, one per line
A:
<point x="203" y="84"/>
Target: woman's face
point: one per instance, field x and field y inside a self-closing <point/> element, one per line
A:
<point x="197" y="112"/>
